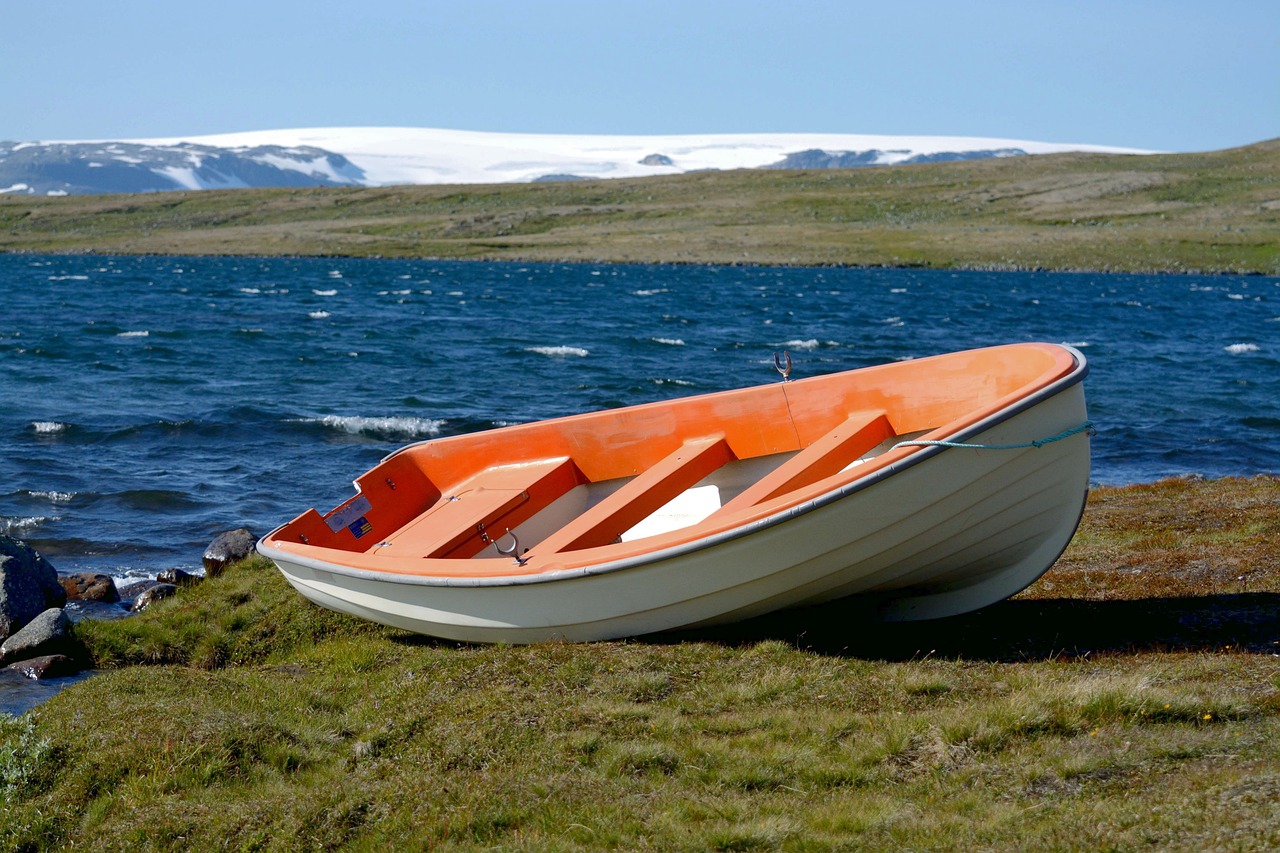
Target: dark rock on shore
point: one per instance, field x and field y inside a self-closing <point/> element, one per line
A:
<point x="152" y="594"/>
<point x="49" y="633"/>
<point x="178" y="577"/>
<point x="46" y="666"/>
<point x="227" y="548"/>
<point x="28" y="585"/>
<point x="89" y="586"/>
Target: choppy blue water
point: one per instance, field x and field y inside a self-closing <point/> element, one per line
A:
<point x="148" y="403"/>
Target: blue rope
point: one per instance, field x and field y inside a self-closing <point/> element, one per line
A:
<point x="1087" y="426"/>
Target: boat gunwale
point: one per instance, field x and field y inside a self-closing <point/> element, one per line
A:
<point x="787" y="513"/>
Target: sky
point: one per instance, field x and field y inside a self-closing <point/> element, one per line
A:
<point x="1178" y="75"/>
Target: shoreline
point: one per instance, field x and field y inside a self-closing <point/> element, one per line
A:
<point x="1179" y="271"/>
<point x="1205" y="213"/>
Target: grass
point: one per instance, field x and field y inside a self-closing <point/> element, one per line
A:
<point x="1209" y="212"/>
<point x="1130" y="699"/>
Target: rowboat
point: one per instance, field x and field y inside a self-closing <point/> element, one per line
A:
<point x="922" y="488"/>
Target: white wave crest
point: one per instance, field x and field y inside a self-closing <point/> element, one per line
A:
<point x="142" y="334"/>
<point x="654" y="292"/>
<point x="809" y="345"/>
<point x="392" y="426"/>
<point x="9" y="524"/>
<point x="559" y="352"/>
<point x="318" y="315"/>
<point x="48" y="427"/>
<point x="54" y="497"/>
<point x="325" y="292"/>
<point x="671" y="342"/>
<point x="1237" y="349"/>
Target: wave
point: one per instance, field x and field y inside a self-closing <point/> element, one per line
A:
<point x="559" y="352"/>
<point x="52" y="496"/>
<point x="1238" y="349"/>
<point x="671" y="342"/>
<point x="79" y="546"/>
<point x="807" y="346"/>
<point x="318" y="315"/>
<point x="389" y="427"/>
<point x="49" y="427"/>
<point x="19" y="525"/>
<point x="155" y="500"/>
<point x="325" y="292"/>
<point x="140" y="334"/>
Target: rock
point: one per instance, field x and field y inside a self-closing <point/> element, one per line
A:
<point x="227" y="548"/>
<point x="152" y="594"/>
<point x="49" y="633"/>
<point x="46" y="666"/>
<point x="89" y="586"/>
<point x="133" y="589"/>
<point x="177" y="577"/>
<point x="657" y="160"/>
<point x="28" y="585"/>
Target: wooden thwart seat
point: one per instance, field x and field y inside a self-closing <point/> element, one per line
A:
<point x="828" y="455"/>
<point x="483" y="507"/>
<point x="603" y="523"/>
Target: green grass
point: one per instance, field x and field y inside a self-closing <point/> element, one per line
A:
<point x="261" y="722"/>
<point x="1211" y="212"/>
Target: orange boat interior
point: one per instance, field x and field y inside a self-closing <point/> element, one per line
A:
<point x="624" y="481"/>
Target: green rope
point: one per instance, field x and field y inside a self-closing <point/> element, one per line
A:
<point x="1087" y="426"/>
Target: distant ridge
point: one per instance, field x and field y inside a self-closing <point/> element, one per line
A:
<point x="383" y="156"/>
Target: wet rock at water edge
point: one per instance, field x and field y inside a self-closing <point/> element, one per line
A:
<point x="46" y="666"/>
<point x="28" y="585"/>
<point x="49" y="633"/>
<point x="89" y="586"/>
<point x="178" y="577"/>
<point x="152" y="594"/>
<point x="227" y="548"/>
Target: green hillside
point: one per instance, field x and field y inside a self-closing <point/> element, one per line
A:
<point x="1210" y="212"/>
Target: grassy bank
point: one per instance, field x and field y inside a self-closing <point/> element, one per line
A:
<point x="1130" y="699"/>
<point x="1211" y="212"/>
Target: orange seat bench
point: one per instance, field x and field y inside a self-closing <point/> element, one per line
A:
<point x="482" y="508"/>
<point x="828" y="455"/>
<point x="651" y="489"/>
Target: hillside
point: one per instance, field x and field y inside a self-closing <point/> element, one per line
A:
<point x="1211" y="212"/>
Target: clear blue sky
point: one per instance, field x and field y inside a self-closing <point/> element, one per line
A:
<point x="1179" y="75"/>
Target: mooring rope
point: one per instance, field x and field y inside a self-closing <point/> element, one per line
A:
<point x="1087" y="426"/>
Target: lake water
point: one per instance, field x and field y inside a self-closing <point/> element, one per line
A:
<point x="148" y="403"/>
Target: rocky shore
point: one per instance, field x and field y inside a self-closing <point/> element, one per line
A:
<point x="37" y="639"/>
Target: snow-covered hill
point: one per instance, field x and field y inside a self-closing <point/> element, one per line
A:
<point x="375" y="156"/>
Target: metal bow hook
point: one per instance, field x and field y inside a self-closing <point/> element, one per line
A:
<point x="783" y="365"/>
<point x="513" y="551"/>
